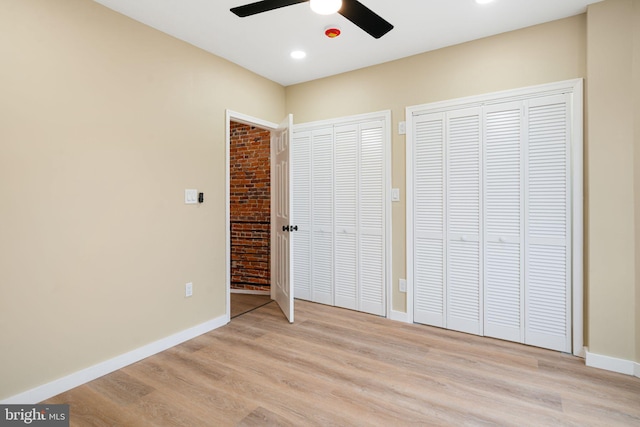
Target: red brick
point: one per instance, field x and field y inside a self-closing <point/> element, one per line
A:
<point x="250" y="207"/>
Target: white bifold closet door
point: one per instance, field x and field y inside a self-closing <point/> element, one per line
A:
<point x="504" y="221"/>
<point x="492" y="220"/>
<point x="429" y="219"/>
<point x="371" y="219"/>
<point x="313" y="204"/>
<point x="464" y="293"/>
<point x="322" y="218"/>
<point x="448" y="268"/>
<point x="339" y="207"/>
<point x="547" y="315"/>
<point x="300" y="158"/>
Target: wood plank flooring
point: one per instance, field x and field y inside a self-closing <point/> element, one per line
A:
<point x="244" y="303"/>
<point x="336" y="367"/>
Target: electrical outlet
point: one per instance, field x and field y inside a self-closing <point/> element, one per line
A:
<point x="403" y="285"/>
<point x="188" y="289"/>
<point x="402" y="128"/>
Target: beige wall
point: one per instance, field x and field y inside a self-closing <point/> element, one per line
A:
<point x="636" y="145"/>
<point x="541" y="54"/>
<point x="103" y="124"/>
<point x="611" y="249"/>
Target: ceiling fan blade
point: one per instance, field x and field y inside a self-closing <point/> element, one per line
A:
<point x="263" y="6"/>
<point x="365" y="18"/>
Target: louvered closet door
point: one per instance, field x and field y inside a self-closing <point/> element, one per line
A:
<point x="346" y="208"/>
<point x="503" y="221"/>
<point x="371" y="218"/>
<point x="464" y="267"/>
<point x="301" y="215"/>
<point x="428" y="217"/>
<point x="548" y="222"/>
<point x="322" y="267"/>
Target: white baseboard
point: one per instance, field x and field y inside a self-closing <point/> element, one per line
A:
<point x="399" y="316"/>
<point x="637" y="369"/>
<point x="249" y="292"/>
<point x="53" y="388"/>
<point x="613" y="364"/>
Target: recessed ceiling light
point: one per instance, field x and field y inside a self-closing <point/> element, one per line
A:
<point x="298" y="54"/>
<point x="483" y="1"/>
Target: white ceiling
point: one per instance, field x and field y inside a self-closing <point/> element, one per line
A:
<point x="262" y="43"/>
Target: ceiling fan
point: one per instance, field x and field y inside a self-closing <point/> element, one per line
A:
<point x="353" y="10"/>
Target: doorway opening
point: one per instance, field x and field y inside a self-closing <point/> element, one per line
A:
<point x="253" y="267"/>
<point x="250" y="208"/>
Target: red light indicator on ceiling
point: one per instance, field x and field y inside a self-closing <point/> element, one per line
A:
<point x="332" y="33"/>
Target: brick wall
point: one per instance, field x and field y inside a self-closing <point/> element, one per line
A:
<point x="250" y="207"/>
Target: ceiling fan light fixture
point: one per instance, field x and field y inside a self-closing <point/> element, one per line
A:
<point x="298" y="54"/>
<point x="325" y="7"/>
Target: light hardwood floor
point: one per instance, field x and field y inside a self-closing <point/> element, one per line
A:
<point x="336" y="367"/>
<point x="244" y="303"/>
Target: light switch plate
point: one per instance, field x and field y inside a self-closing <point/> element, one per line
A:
<point x="191" y="197"/>
<point x="402" y="128"/>
<point x="395" y="194"/>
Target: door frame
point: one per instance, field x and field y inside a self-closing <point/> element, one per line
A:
<point x="234" y="116"/>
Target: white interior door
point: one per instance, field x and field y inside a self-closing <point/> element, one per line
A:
<point x="281" y="287"/>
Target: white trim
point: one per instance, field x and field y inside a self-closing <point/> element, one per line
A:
<point x="53" y="388"/>
<point x="249" y="120"/>
<point x="230" y="116"/>
<point x="250" y="292"/>
<point x="409" y="211"/>
<point x="496" y="97"/>
<point x="573" y="87"/>
<point x="399" y="316"/>
<point x="636" y="369"/>
<point x="613" y="364"/>
<point x="381" y="115"/>
<point x="387" y="213"/>
<point x="577" y="180"/>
